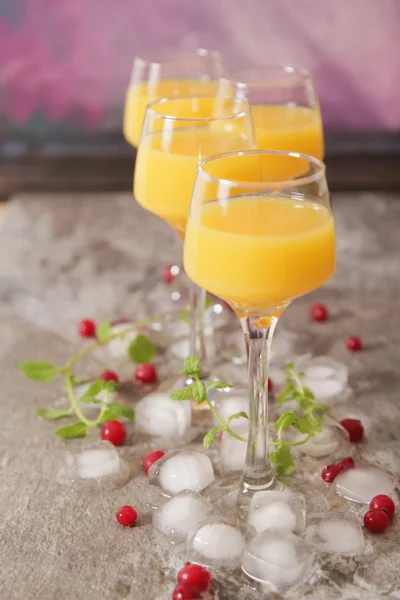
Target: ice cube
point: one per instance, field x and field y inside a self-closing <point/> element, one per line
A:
<point x="325" y="377"/>
<point x="181" y="515"/>
<point x="95" y="466"/>
<point x="98" y="462"/>
<point x="157" y="414"/>
<point x="118" y="347"/>
<point x="277" y="557"/>
<point x="323" y="444"/>
<point x="362" y="483"/>
<point x="233" y="451"/>
<point x="218" y="543"/>
<point x="179" y="471"/>
<point x="335" y="533"/>
<point x="332" y="440"/>
<point x="281" y="510"/>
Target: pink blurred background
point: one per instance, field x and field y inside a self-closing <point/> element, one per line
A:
<point x="65" y="64"/>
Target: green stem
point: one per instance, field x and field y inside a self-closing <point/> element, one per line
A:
<point x="279" y="441"/>
<point x="224" y="425"/>
<point x="75" y="403"/>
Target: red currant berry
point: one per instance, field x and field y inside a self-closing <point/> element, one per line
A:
<point x="87" y="328"/>
<point x="109" y="376"/>
<point x="126" y="515"/>
<point x="169" y="273"/>
<point x="376" y="520"/>
<point x="319" y="312"/>
<point x="151" y="458"/>
<point x="354" y="429"/>
<point x="114" y="432"/>
<point x="346" y="463"/>
<point x="385" y="503"/>
<point x="196" y="576"/>
<point x="270" y="385"/>
<point x="354" y="343"/>
<point x="146" y="373"/>
<point x="330" y="473"/>
<point x="185" y="592"/>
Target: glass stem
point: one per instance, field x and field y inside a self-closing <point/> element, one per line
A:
<point x="257" y="474"/>
<point x="197" y="339"/>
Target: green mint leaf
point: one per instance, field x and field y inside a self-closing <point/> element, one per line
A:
<point x="282" y="459"/>
<point x="50" y="414"/>
<point x="141" y="349"/>
<point x="321" y="408"/>
<point x="199" y="391"/>
<point x="289" y="367"/>
<point x="78" y="379"/>
<point x="69" y="432"/>
<point x="103" y="331"/>
<point x="219" y="385"/>
<point x="238" y="415"/>
<point x="209" y="438"/>
<point x="286" y="420"/>
<point x="285" y="394"/>
<point x="304" y="426"/>
<point x="191" y="366"/>
<point x="110" y="386"/>
<point x="185" y="393"/>
<point x="38" y="371"/>
<point x="93" y="390"/>
<point x="116" y="410"/>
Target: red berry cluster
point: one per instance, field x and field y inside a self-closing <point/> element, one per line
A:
<point x="380" y="514"/>
<point x="193" y="580"/>
<point x="330" y="472"/>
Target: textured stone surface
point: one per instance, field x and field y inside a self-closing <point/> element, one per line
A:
<point x="70" y="257"/>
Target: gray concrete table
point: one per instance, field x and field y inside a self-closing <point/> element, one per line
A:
<point x="68" y="257"/>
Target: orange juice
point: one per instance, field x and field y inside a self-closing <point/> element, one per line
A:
<point x="166" y="167"/>
<point x="288" y="127"/>
<point x="138" y="97"/>
<point x="259" y="252"/>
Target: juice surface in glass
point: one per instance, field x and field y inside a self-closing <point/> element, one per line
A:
<point x="140" y="95"/>
<point x="259" y="251"/>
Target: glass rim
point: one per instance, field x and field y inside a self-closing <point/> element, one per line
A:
<point x="155" y="56"/>
<point x="235" y="79"/>
<point x="242" y="113"/>
<point x="265" y="184"/>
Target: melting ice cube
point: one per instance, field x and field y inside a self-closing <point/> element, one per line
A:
<point x="181" y="515"/>
<point x="176" y="472"/>
<point x="95" y="462"/>
<point x="325" y="377"/>
<point x="218" y="543"/>
<point x="335" y="533"/>
<point x="277" y="557"/>
<point x="277" y="510"/>
<point x="362" y="483"/>
<point x="157" y="414"/>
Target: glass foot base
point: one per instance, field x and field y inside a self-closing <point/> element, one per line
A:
<point x="247" y="491"/>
